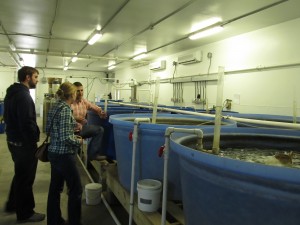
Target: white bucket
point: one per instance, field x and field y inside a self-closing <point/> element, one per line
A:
<point x="93" y="193"/>
<point x="148" y="195"/>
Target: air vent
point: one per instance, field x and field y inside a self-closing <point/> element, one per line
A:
<point x="195" y="57"/>
<point x="158" y="65"/>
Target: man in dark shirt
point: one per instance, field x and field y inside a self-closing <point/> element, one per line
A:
<point x="22" y="136"/>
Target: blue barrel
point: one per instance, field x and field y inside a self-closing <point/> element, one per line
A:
<point x="1" y="108"/>
<point x="2" y="127"/>
<point x="150" y="138"/>
<point x="108" y="141"/>
<point x="225" y="191"/>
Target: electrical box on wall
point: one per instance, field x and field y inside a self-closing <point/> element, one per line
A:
<point x="158" y="65"/>
<point x="194" y="57"/>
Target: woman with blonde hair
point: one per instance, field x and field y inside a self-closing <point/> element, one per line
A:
<point x="62" y="151"/>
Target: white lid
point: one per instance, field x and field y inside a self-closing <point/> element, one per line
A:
<point x="93" y="186"/>
<point x="149" y="184"/>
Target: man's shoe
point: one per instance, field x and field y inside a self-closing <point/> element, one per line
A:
<point x="36" y="217"/>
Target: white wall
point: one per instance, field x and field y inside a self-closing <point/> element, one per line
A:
<point x="8" y="76"/>
<point x="259" y="90"/>
<point x="95" y="85"/>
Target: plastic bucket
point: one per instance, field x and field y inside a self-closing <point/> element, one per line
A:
<point x="148" y="195"/>
<point x="93" y="193"/>
<point x="2" y="127"/>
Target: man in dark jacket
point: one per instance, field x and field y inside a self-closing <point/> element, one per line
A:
<point x="22" y="136"/>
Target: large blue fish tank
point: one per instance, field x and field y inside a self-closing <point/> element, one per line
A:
<point x="108" y="141"/>
<point x="230" y="191"/>
<point x="150" y="138"/>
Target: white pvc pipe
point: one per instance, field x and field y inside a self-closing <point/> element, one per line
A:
<point x="111" y="212"/>
<point x="295" y="107"/>
<point x="168" y="133"/>
<point x="106" y="98"/>
<point x="155" y="100"/>
<point x="295" y="112"/>
<point x="218" y="114"/>
<point x="264" y="122"/>
<point x="164" y="109"/>
<point x="261" y="122"/>
<point x="135" y="139"/>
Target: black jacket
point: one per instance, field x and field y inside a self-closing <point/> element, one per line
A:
<point x="20" y="115"/>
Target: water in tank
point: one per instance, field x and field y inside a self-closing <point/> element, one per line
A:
<point x="241" y="188"/>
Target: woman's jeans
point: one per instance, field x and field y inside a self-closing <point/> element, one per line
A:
<point x="63" y="168"/>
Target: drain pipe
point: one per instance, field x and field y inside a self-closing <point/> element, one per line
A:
<point x="168" y="133"/>
<point x="135" y="139"/>
<point x="111" y="212"/>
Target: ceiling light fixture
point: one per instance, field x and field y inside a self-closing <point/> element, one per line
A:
<point x="111" y="67"/>
<point x="12" y="46"/>
<point x="94" y="37"/>
<point x="74" y="58"/>
<point x="206" y="23"/>
<point x="66" y="68"/>
<point x="206" y="28"/>
<point x="140" y="56"/>
<point x="206" y="32"/>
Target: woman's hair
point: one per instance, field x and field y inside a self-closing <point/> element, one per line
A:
<point x="66" y="90"/>
<point x="26" y="70"/>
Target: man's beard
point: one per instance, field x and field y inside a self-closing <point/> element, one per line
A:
<point x="31" y="84"/>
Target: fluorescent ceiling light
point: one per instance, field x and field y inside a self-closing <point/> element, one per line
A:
<point x="206" y="23"/>
<point x="111" y="67"/>
<point x="140" y="56"/>
<point x="205" y="33"/>
<point x="95" y="37"/>
<point x="12" y="46"/>
<point x="29" y="59"/>
<point x="66" y="67"/>
<point x="74" y="59"/>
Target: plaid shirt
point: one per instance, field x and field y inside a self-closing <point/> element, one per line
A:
<point x="80" y="109"/>
<point x="62" y="138"/>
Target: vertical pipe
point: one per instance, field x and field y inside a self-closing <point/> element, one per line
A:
<point x="295" y="107"/>
<point x="135" y="139"/>
<point x="106" y="96"/>
<point x="218" y="116"/>
<point x="111" y="212"/>
<point x="166" y="153"/>
<point x="132" y="173"/>
<point x="295" y="112"/>
<point x="165" y="180"/>
<point x="155" y="100"/>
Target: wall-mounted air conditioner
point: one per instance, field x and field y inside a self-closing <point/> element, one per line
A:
<point x="158" y="65"/>
<point x="190" y="58"/>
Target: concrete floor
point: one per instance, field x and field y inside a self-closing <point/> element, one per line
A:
<point x="91" y="215"/>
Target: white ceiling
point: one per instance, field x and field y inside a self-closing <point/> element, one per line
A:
<point x="53" y="30"/>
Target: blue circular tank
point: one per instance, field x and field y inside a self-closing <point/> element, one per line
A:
<point x="225" y="191"/>
<point x="150" y="139"/>
<point x="108" y="141"/>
